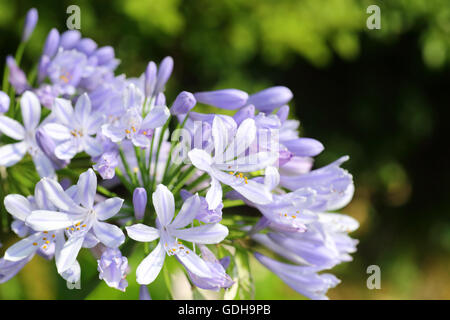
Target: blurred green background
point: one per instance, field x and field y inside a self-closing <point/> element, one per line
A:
<point x="380" y="96"/>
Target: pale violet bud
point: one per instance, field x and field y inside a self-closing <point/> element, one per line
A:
<point x="86" y="46"/>
<point x="139" y="202"/>
<point x="184" y="102"/>
<point x="69" y="39"/>
<point x="226" y="98"/>
<point x="42" y="68"/>
<point x="150" y="79"/>
<point x="113" y="268"/>
<point x="47" y="145"/>
<point x="104" y="54"/>
<point x="17" y="77"/>
<point x="51" y="43"/>
<point x="283" y="113"/>
<point x="164" y="72"/>
<point x="4" y="102"/>
<point x="304" y="147"/>
<point x="160" y="99"/>
<point x="271" y="98"/>
<point x="30" y="23"/>
<point x="244" y="113"/>
<point x="144" y="294"/>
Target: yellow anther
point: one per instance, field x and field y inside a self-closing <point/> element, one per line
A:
<point x="45" y="232"/>
<point x="44" y="247"/>
<point x="47" y="242"/>
<point x="174" y="250"/>
<point x="77" y="224"/>
<point x="133" y="128"/>
<point x="84" y="226"/>
<point x="64" y="78"/>
<point x="53" y="236"/>
<point x="78" y="229"/>
<point x="34" y="243"/>
<point x="182" y="248"/>
<point x="144" y="133"/>
<point x="136" y="169"/>
<point x="44" y="239"/>
<point x="298" y="211"/>
<point x="127" y="131"/>
<point x="246" y="182"/>
<point x="187" y="251"/>
<point x="179" y="242"/>
<point x="72" y="229"/>
<point x="293" y="217"/>
<point x="231" y="172"/>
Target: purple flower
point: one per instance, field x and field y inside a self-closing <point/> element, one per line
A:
<point x="170" y="229"/>
<point x="78" y="216"/>
<point x="13" y="153"/>
<point x="333" y="185"/>
<point x="230" y="156"/>
<point x="106" y="164"/>
<point x="113" y="268"/>
<point x="74" y="128"/>
<point x="66" y="70"/>
<point x="139" y="202"/>
<point x="303" y="279"/>
<point x="30" y="23"/>
<point x="217" y="279"/>
<point x="226" y="99"/>
<point x="184" y="102"/>
<point x="131" y="126"/>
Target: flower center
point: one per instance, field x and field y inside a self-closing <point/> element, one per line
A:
<point x="46" y="240"/>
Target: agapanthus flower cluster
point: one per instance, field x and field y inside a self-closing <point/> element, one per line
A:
<point x="123" y="170"/>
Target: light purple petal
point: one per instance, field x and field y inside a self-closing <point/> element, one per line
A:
<point x="83" y="109"/>
<point x="108" y="234"/>
<point x="11" y="128"/>
<point x="187" y="213"/>
<point x="164" y="204"/>
<point x="23" y="248"/>
<point x="205" y="234"/>
<point x="18" y="206"/>
<point x="108" y="208"/>
<point x="45" y="220"/>
<point x="200" y="159"/>
<point x="59" y="198"/>
<point x="149" y="268"/>
<point x="87" y="188"/>
<point x="63" y="111"/>
<point x="69" y="253"/>
<point x="12" y="153"/>
<point x="92" y="146"/>
<point x="31" y="110"/>
<point x="157" y="117"/>
<point x="214" y="194"/>
<point x="57" y="131"/>
<point x="66" y="150"/>
<point x="194" y="264"/>
<point x="142" y="233"/>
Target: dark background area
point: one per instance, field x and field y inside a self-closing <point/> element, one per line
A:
<point x="380" y="96"/>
